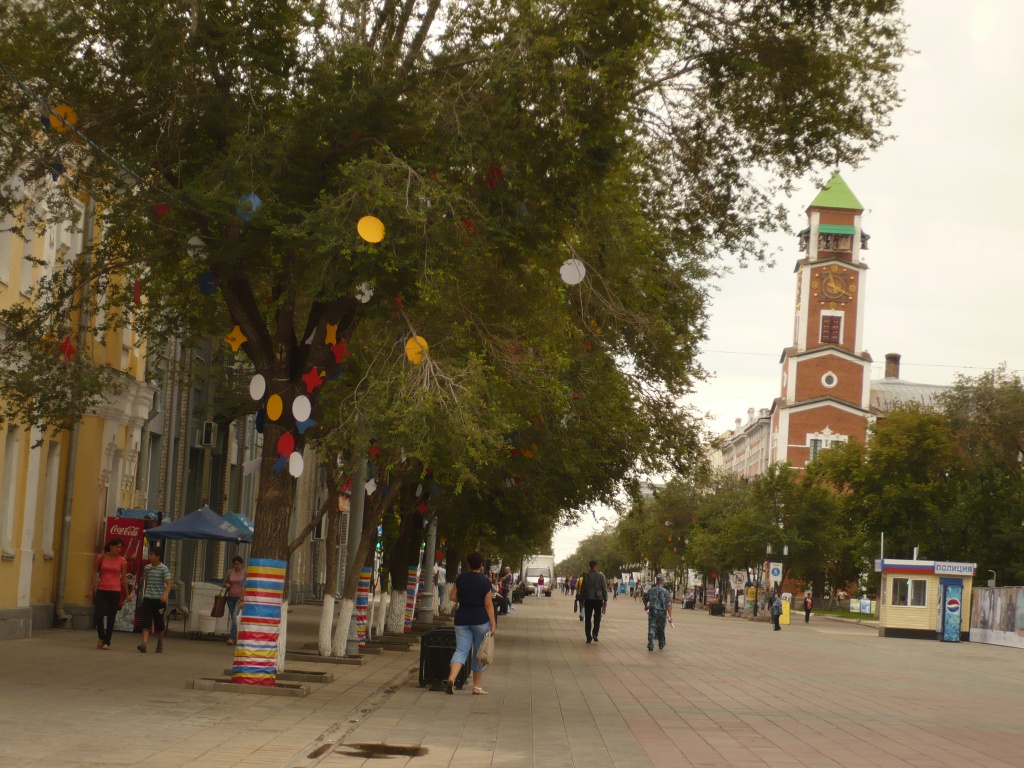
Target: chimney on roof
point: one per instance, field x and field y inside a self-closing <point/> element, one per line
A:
<point x="892" y="365"/>
<point x="739" y="424"/>
<point x="750" y="415"/>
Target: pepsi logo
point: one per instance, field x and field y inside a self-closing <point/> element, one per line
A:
<point x="953" y="605"/>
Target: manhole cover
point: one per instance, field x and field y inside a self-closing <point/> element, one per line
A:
<point x="383" y="750"/>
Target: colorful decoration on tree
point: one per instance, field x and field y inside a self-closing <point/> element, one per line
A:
<point x="63" y="118"/>
<point x="573" y="271"/>
<point x="312" y="379"/>
<point x="236" y="338"/>
<point x="332" y="334"/>
<point x="280" y="464"/>
<point x="160" y="210"/>
<point x="259" y="626"/>
<point x="422" y="508"/>
<point x="415" y="349"/>
<point x="67" y="348"/>
<point x="374" y="451"/>
<point x="370" y="487"/>
<point x="301" y="408"/>
<point x="207" y="283"/>
<point x="137" y="294"/>
<point x="302" y="426"/>
<point x="295" y="464"/>
<point x="275" y="407"/>
<point x="257" y="387"/>
<point x="362" y="603"/>
<point x="340" y="351"/>
<point x="247" y="206"/>
<point x="494" y="175"/>
<point x="364" y="292"/>
<point x="286" y="444"/>
<point x="261" y="416"/>
<point x="371" y="229"/>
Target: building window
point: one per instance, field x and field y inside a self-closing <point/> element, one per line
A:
<point x="831" y="329"/>
<point x="909" y="592"/>
<point x="829" y="380"/>
<point x="816" y="444"/>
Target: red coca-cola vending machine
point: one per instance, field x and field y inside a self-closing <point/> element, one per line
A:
<point x="132" y="532"/>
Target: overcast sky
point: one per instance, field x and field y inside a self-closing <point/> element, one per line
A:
<point x="943" y="205"/>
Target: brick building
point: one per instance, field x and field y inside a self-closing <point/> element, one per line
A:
<point x="826" y="395"/>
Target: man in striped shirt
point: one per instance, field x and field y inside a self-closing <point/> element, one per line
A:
<point x="156" y="586"/>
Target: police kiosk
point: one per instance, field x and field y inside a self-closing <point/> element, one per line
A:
<point x="925" y="598"/>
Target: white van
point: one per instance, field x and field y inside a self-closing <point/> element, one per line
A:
<point x="535" y="566"/>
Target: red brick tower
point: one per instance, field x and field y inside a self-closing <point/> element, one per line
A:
<point x="826" y="374"/>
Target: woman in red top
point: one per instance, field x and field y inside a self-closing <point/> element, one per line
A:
<point x="111" y="570"/>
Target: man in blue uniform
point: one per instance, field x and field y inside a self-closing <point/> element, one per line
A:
<point x="659" y="610"/>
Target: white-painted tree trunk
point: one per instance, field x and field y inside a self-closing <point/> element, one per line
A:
<point x="447" y="606"/>
<point x="326" y="625"/>
<point x="341" y="628"/>
<point x="382" y="612"/>
<point x="282" y="639"/>
<point x="396" y="612"/>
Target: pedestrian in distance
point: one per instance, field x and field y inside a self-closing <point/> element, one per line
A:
<point x="506" y="589"/>
<point x="808" y="604"/>
<point x="474" y="618"/>
<point x="578" y="603"/>
<point x="595" y="601"/>
<point x="109" y="583"/>
<point x="777" y="612"/>
<point x="658" y="604"/>
<point x="156" y="588"/>
<point x="540" y="586"/>
<point x="234" y="583"/>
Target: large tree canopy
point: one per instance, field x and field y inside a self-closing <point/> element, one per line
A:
<point x="237" y="145"/>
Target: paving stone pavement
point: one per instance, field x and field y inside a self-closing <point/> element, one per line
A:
<point x="725" y="692"/>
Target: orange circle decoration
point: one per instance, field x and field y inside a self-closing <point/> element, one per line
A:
<point x="275" y="407"/>
<point x="69" y="118"/>
<point x="415" y="349"/>
<point x="371" y="229"/>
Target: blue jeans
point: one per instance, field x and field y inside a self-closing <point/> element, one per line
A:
<point x="233" y="617"/>
<point x="467" y="641"/>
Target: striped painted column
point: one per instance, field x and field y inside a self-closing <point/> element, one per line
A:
<point x="362" y="603"/>
<point x="410" y="595"/>
<point x="259" y="625"/>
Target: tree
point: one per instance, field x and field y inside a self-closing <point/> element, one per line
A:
<point x="494" y="139"/>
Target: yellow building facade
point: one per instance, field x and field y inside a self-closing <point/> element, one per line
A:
<point x="39" y="576"/>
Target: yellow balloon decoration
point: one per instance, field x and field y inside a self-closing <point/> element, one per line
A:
<point x="371" y="229"/>
<point x="415" y="348"/>
<point x="274" y="407"/>
<point x="66" y="112"/>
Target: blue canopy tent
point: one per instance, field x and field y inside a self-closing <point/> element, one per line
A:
<point x="243" y="522"/>
<point x="204" y="523"/>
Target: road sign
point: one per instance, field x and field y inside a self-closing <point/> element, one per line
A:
<point x="775" y="572"/>
<point x="739" y="579"/>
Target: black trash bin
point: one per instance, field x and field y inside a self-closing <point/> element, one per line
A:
<point x="717" y="609"/>
<point x="690" y="604"/>
<point x="436" y="649"/>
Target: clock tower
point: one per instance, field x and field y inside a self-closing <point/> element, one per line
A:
<point x="826" y="374"/>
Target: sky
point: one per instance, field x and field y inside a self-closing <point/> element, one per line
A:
<point x="943" y="205"/>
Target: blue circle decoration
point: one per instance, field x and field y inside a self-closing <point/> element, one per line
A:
<point x="247" y="206"/>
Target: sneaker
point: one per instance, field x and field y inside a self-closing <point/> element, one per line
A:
<point x="141" y="647"/>
<point x="159" y="646"/>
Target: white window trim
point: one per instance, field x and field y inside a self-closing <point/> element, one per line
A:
<point x="910" y="592"/>
<point x="841" y="314"/>
<point x="834" y="375"/>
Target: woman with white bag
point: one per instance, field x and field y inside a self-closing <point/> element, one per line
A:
<point x="474" y="620"/>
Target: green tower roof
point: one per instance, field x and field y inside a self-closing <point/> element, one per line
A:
<point x="836" y="194"/>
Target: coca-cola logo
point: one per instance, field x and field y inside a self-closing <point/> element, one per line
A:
<point x="130" y="531"/>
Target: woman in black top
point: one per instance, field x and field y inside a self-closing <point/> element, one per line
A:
<point x="474" y="618"/>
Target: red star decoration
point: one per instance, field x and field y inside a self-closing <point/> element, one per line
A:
<point x="312" y="380"/>
<point x="67" y="348"/>
<point x="494" y="175"/>
<point x="422" y="507"/>
<point x="340" y="351"/>
<point x="375" y="451"/>
<point x="347" y="486"/>
<point x="161" y="209"/>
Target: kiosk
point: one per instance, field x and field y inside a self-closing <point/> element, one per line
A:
<point x="925" y="599"/>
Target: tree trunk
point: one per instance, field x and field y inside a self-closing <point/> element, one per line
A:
<point x="331" y="589"/>
<point x="276" y="494"/>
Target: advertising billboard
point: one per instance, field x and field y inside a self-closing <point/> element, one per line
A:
<point x="997" y="616"/>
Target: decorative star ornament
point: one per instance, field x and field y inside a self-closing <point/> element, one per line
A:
<point x="67" y="348"/>
<point x="340" y="351"/>
<point x="236" y="338"/>
<point x="312" y="379"/>
<point x="302" y="426"/>
<point x="332" y="335"/>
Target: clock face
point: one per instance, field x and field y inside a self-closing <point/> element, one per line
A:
<point x="834" y="284"/>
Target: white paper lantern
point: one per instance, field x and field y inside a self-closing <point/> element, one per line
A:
<point x="295" y="464"/>
<point x="573" y="271"/>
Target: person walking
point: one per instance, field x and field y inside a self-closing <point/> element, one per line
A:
<point x="777" y="611"/>
<point x="506" y="589"/>
<point x="156" y="587"/>
<point x="110" y="582"/>
<point x="540" y="586"/>
<point x="473" y="619"/>
<point x="234" y="583"/>
<point x="808" y="604"/>
<point x="578" y="592"/>
<point x="595" y="601"/>
<point x="659" y="610"/>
